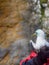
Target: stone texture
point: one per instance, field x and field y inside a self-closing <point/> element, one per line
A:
<point x="11" y="30"/>
<point x="10" y="12"/>
<point x="46" y="25"/>
<point x="47" y="12"/>
<point x="3" y="53"/>
<point x="18" y="21"/>
<point x="18" y="49"/>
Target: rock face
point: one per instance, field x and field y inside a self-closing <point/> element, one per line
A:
<point x="46" y="25"/>
<point x="13" y="34"/>
<point x="47" y="12"/>
<point x="3" y="53"/>
<point x="10" y="20"/>
<point x="18" y="21"/>
<point x="46" y="21"/>
<point x="9" y="12"/>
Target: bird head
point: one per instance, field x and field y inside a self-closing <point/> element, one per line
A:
<point x="39" y="32"/>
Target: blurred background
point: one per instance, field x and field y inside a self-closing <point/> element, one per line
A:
<point x="18" y="21"/>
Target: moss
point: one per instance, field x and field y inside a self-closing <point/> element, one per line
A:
<point x="43" y="1"/>
<point x="42" y="8"/>
<point x="48" y="5"/>
<point x="42" y="11"/>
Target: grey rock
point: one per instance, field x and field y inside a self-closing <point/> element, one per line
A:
<point x="19" y="48"/>
<point x="3" y="53"/>
<point x="26" y="15"/>
<point x="47" y="12"/>
<point x="44" y="4"/>
<point x="32" y="1"/>
<point x="35" y="1"/>
<point x="46" y="23"/>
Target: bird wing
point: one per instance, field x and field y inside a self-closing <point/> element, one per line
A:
<point x="39" y="43"/>
<point x="33" y="44"/>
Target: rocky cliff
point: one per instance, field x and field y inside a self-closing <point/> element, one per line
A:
<point x="18" y="21"/>
<point x="12" y="31"/>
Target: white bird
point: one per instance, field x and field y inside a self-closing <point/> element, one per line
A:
<point x="40" y="41"/>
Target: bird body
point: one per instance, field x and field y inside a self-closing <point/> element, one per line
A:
<point x="40" y="41"/>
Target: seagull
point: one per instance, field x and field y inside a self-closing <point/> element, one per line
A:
<point x="40" y="41"/>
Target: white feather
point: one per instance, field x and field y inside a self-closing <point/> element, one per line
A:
<point x="40" y="41"/>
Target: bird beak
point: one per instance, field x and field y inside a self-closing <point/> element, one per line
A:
<point x="34" y="34"/>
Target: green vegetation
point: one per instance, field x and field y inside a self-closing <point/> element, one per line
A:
<point x="42" y="8"/>
<point x="43" y="1"/>
<point x="42" y="11"/>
